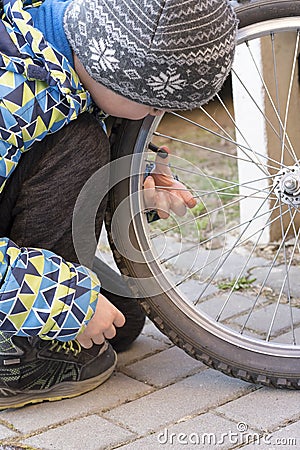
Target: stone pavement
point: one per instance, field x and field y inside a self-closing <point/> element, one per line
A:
<point x="159" y="398"/>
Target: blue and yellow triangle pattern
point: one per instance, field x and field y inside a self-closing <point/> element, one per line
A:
<point x="39" y="90"/>
<point x="44" y="295"/>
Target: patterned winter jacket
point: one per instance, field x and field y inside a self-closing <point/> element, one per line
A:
<point x="40" y="293"/>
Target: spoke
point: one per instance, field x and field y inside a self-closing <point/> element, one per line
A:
<point x="268" y="273"/>
<point x="200" y="216"/>
<point x="284" y="250"/>
<point x="278" y="109"/>
<point x="230" y="194"/>
<point x="219" y="152"/>
<point x="232" y="141"/>
<point x="233" y="247"/>
<point x="194" y="172"/>
<point x="259" y="163"/>
<point x="223" y="180"/>
<point x="242" y="270"/>
<point x="286" y="280"/>
<point x="203" y="193"/>
<point x="222" y="191"/>
<point x="246" y="183"/>
<point x="296" y="245"/>
<point x="289" y="95"/>
<point x="294" y="229"/>
<point x="290" y="305"/>
<point x="222" y="233"/>
<point x="226" y="251"/>
<point x="264" y="117"/>
<point x="209" y="149"/>
<point x="279" y="135"/>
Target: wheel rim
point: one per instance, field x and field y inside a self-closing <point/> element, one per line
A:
<point x="263" y="272"/>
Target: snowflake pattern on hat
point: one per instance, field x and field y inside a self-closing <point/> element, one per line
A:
<point x="102" y="56"/>
<point x="169" y="54"/>
<point x="166" y="83"/>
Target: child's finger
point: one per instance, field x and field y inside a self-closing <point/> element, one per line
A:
<point x="85" y="341"/>
<point x="119" y="320"/>
<point x="177" y="204"/>
<point x="149" y="192"/>
<point x="162" y="204"/>
<point x="186" y="195"/>
<point x="98" y="339"/>
<point x="109" y="333"/>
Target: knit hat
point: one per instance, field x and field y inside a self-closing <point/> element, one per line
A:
<point x="169" y="54"/>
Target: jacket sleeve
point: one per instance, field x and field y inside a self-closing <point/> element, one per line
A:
<point x="42" y="294"/>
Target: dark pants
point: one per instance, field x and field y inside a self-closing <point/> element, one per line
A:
<point x="37" y="204"/>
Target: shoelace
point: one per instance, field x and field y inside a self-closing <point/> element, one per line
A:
<point x="66" y="347"/>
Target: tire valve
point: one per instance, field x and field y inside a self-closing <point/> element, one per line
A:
<point x="160" y="151"/>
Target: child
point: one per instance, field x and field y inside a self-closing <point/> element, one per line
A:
<point x="133" y="58"/>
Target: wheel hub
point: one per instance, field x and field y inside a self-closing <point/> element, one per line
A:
<point x="287" y="185"/>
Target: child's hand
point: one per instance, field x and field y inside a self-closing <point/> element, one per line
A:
<point x="173" y="195"/>
<point x="102" y="325"/>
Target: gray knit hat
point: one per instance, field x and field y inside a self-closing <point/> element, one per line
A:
<point x="170" y="54"/>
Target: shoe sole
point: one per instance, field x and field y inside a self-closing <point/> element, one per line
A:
<point x="64" y="390"/>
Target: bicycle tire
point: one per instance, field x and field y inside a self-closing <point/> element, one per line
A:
<point x="230" y="353"/>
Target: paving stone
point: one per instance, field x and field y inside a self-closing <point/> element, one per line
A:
<point x="169" y="247"/>
<point x="205" y="262"/>
<point x="117" y="390"/>
<point x="288" y="338"/>
<point x="104" y="252"/>
<point x="204" y="431"/>
<point x="190" y="396"/>
<point x="191" y="259"/>
<point x="6" y="433"/>
<point x="287" y="438"/>
<point x="264" y="409"/>
<point x="88" y="433"/>
<point x="108" y="259"/>
<point x="164" y="368"/>
<point x="238" y="303"/>
<point x="144" y="346"/>
<point x="198" y="260"/>
<point x="261" y="319"/>
<point x="276" y="278"/>
<point x="236" y="261"/>
<point x="192" y="288"/>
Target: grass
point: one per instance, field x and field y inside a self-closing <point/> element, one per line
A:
<point x="238" y="284"/>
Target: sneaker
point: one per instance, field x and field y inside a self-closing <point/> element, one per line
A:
<point x="34" y="370"/>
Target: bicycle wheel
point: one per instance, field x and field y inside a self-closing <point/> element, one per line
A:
<point x="222" y="282"/>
